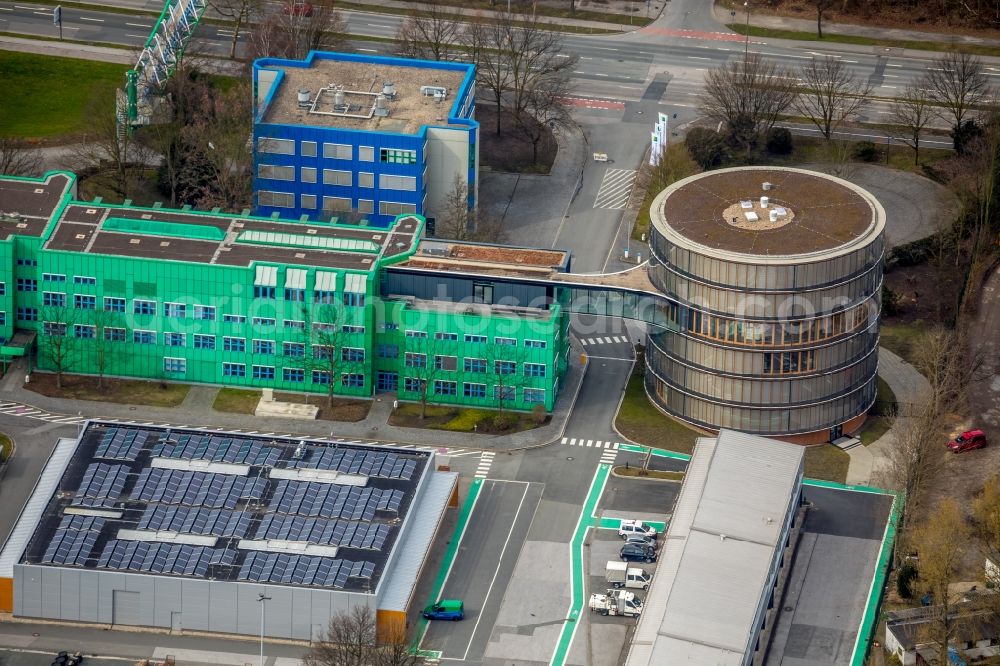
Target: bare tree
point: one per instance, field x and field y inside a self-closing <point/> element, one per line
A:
<point x="430" y="35"/>
<point x="831" y="93"/>
<point x="544" y="113"/>
<point x="323" y="330"/>
<point x="912" y="112"/>
<point x="351" y="639"/>
<point x="747" y="95"/>
<point x="240" y="12"/>
<point x="109" y="148"/>
<point x="425" y="364"/>
<point x="17" y="158"/>
<point x="958" y="83"/>
<point x="821" y="7"/>
<point x="457" y="222"/>
<point x="58" y="345"/>
<point x="105" y="349"/>
<point x="297" y="30"/>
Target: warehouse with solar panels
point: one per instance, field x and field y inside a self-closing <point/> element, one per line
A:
<point x="184" y="529"/>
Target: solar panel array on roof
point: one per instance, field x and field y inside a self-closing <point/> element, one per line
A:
<point x="195" y="520"/>
<point x="306" y="498"/>
<point x="218" y="448"/>
<point x="74" y="540"/>
<point x="121" y="444"/>
<point x="102" y="485"/>
<point x="302" y="569"/>
<point x="353" y="461"/>
<point x="173" y="486"/>
<point x="327" y="532"/>
<point x="168" y="558"/>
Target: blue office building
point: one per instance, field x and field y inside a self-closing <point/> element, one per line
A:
<point x="361" y="137"/>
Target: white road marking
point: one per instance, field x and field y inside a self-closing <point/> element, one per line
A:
<point x="616" y="187"/>
<point x="95" y="20"/>
<point x="138" y="25"/>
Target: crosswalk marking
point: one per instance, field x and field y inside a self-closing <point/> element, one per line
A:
<point x="609" y="456"/>
<point x="485" y="462"/>
<point x="594" y="444"/>
<point x="616" y="186"/>
<point x="615" y="339"/>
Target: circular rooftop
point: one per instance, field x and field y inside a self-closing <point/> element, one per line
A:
<point x="804" y="213"/>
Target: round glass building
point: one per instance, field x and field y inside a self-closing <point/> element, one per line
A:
<point x="774" y="280"/>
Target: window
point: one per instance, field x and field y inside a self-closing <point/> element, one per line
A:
<point x="263" y="371"/>
<point x="206" y="312"/>
<point x="366" y="179"/>
<point x="260" y="291"/>
<point x="394" y="208"/>
<point x="446" y="336"/>
<point x="308" y="148"/>
<point x="414" y="385"/>
<point x="389" y="326"/>
<point x="27" y="262"/>
<point x="295" y="324"/>
<point x="25" y="284"/>
<point x="448" y="363"/>
<point x="204" y="341"/>
<point x="416" y="334"/>
<point x="388" y="351"/>
<point x="307" y="201"/>
<point x="366" y="206"/>
<point x="54" y="328"/>
<point x="390" y="156"/>
<point x="334" y="177"/>
<point x="475" y="339"/>
<point x="263" y="346"/>
<point x="295" y="295"/>
<point x="505" y="367"/>
<point x="504" y="392"/>
<point x="275" y="172"/>
<point x="390" y="182"/>
<point x="234" y="370"/>
<point x="144" y="337"/>
<point x="178" y="310"/>
<point x="414" y="360"/>
<point x="85" y="331"/>
<point x="3" y="288"/>
<point x="275" y="146"/>
<point x="54" y="299"/>
<point x="338" y="151"/>
<point x="474" y="390"/>
<point x="442" y="387"/>
<point x="342" y="204"/>
<point x="322" y="352"/>
<point x="3" y="318"/>
<point x="505" y="342"/>
<point x="308" y="175"/>
<point x="350" y="328"/>
<point x="177" y="366"/>
<point x="83" y="279"/>
<point x="534" y="370"/>
<point x="113" y="304"/>
<point x="482" y="292"/>
<point x="325" y="297"/>
<point x="234" y="319"/>
<point x="234" y="344"/>
<point x="535" y="344"/>
<point x="293" y="375"/>
<point x="53" y="277"/>
<point x="144" y="307"/>
<point x="352" y="379"/>
<point x="276" y="199"/>
<point x="475" y="365"/>
<point x="173" y="339"/>
<point x="366" y="153"/>
<point x="534" y="395"/>
<point x="27" y="314"/>
<point x="114" y="334"/>
<point x="354" y="300"/>
<point x="353" y="354"/>
<point x="321" y="377"/>
<point x="293" y="349"/>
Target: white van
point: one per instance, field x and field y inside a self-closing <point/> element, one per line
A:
<point x="619" y="574"/>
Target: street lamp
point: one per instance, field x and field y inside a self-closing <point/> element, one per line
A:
<point x="261" y="598"/>
<point x="746" y="48"/>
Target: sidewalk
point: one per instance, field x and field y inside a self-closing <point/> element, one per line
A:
<point x="196" y="411"/>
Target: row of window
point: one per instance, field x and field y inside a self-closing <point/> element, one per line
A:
<point x="267" y="372"/>
<point x="450" y="364"/>
<point x="472" y="390"/>
<point x="338" y="178"/>
<point x="476" y="339"/>
<point x="31" y="314"/>
<point x="277" y="199"/>
<point x="335" y="151"/>
<point x="77" y="279"/>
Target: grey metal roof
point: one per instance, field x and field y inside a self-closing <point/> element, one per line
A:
<point x="718" y="549"/>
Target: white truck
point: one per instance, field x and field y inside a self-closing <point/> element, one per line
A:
<point x="620" y="574"/>
<point x="616" y="602"/>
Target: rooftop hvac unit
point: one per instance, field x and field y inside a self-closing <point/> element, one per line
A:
<point x="766" y="185"/>
<point x="381" y="105"/>
<point x="434" y="91"/>
<point x="339" y="99"/>
<point x="389" y="89"/>
<point x="304" y="99"/>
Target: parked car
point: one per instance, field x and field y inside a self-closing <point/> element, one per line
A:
<point x="632" y="527"/>
<point x="643" y="539"/>
<point x="968" y="440"/>
<point x="636" y="552"/>
<point x="297" y="8"/>
<point x="446" y="609"/>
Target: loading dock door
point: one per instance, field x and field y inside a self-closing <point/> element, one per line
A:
<point x="125" y="607"/>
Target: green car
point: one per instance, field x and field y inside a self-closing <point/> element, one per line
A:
<point x="446" y="609"/>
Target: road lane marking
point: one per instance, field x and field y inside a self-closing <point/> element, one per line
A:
<point x="95" y="20"/>
<point x="138" y="25"/>
<point x="616" y="187"/>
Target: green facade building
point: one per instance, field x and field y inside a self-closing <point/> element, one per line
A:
<point x="207" y="297"/>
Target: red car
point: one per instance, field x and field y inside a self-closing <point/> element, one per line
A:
<point x="968" y="440"/>
<point x="294" y="8"/>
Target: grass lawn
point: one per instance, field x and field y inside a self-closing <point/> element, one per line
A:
<point x="879" y="415"/>
<point x="650" y="474"/>
<point x="46" y="96"/>
<point x="121" y="391"/>
<point x="236" y="401"/>
<point x="641" y="422"/>
<point x="342" y="409"/>
<point x="902" y="338"/>
<point x="463" y="419"/>
<point x="6" y="447"/>
<point x="827" y="463"/>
